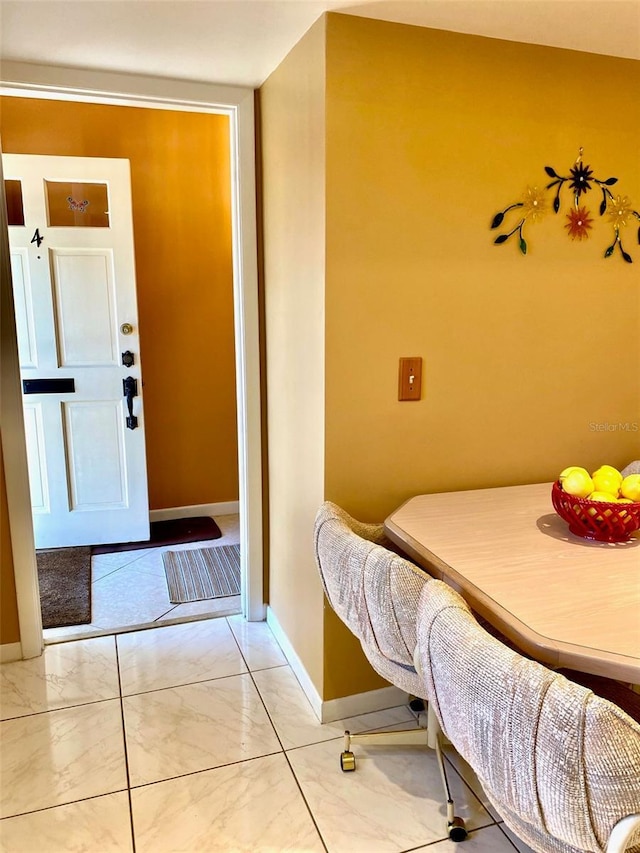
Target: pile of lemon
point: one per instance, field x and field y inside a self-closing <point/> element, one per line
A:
<point x="606" y="484"/>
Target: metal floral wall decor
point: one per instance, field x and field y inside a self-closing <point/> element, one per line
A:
<point x="581" y="179"/>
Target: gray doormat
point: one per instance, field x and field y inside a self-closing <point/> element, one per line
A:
<point x="202" y="573"/>
<point x="64" y="577"/>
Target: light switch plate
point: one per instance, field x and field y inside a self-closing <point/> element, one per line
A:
<point x="410" y="379"/>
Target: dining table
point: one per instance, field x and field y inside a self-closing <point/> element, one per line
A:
<point x="567" y="601"/>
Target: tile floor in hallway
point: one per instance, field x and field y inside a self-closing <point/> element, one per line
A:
<point x="129" y="589"/>
<point x="198" y="737"/>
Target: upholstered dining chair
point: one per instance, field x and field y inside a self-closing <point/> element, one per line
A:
<point x="560" y="764"/>
<point x="375" y="592"/>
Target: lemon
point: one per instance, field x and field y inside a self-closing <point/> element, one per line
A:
<point x="606" y="497"/>
<point x="609" y="471"/>
<point x="630" y="487"/>
<point x="568" y="470"/>
<point x="578" y="483"/>
<point x="623" y="515"/>
<point x="603" y="497"/>
<point x="603" y="481"/>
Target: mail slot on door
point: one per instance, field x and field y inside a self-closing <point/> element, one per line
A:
<point x="49" y="386"/>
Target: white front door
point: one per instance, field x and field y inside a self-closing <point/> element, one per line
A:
<point x="72" y="261"/>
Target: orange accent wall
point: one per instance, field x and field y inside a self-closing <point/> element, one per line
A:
<point x="180" y="177"/>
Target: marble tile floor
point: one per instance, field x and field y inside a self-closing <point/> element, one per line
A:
<point x="198" y="737"/>
<point x="129" y="590"/>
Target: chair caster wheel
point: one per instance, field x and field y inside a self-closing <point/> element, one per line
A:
<point x="457" y="829"/>
<point x="347" y="762"/>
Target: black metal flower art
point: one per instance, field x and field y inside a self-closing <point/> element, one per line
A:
<point x="580" y="180"/>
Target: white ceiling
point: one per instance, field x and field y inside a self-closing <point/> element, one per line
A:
<point x="240" y="42"/>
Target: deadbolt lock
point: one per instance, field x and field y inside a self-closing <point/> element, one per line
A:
<point x="126" y="328"/>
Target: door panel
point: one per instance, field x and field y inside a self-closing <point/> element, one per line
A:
<point x="74" y="283"/>
<point x="36" y="458"/>
<point x="23" y="303"/>
<point x="84" y="298"/>
<point x="96" y="482"/>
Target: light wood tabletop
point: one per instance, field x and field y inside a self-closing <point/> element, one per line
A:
<point x="564" y="600"/>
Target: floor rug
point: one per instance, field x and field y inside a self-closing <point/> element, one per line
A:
<point x="64" y="576"/>
<point x="202" y="573"/>
<point x="174" y="531"/>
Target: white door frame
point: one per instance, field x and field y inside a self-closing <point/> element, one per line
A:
<point x="57" y="83"/>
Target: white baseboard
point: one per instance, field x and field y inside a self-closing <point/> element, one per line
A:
<point x="334" y="709"/>
<point x="10" y="652"/>
<point x="363" y="703"/>
<point x="223" y="508"/>
<point x="295" y="663"/>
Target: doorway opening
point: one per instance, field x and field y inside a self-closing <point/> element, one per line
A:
<point x="130" y="589"/>
<point x="238" y="106"/>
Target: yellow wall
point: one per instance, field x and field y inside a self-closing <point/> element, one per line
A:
<point x="428" y="135"/>
<point x="292" y="110"/>
<point x="9" y="628"/>
<point x="180" y="164"/>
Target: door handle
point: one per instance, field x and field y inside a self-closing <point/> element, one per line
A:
<point x="130" y="390"/>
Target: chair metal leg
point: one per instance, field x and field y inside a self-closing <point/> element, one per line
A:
<point x="455" y="825"/>
<point x="404" y="737"/>
<point x="430" y="737"/>
<point x="347" y="758"/>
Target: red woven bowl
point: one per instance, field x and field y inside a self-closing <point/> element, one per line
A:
<point x="606" y="522"/>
